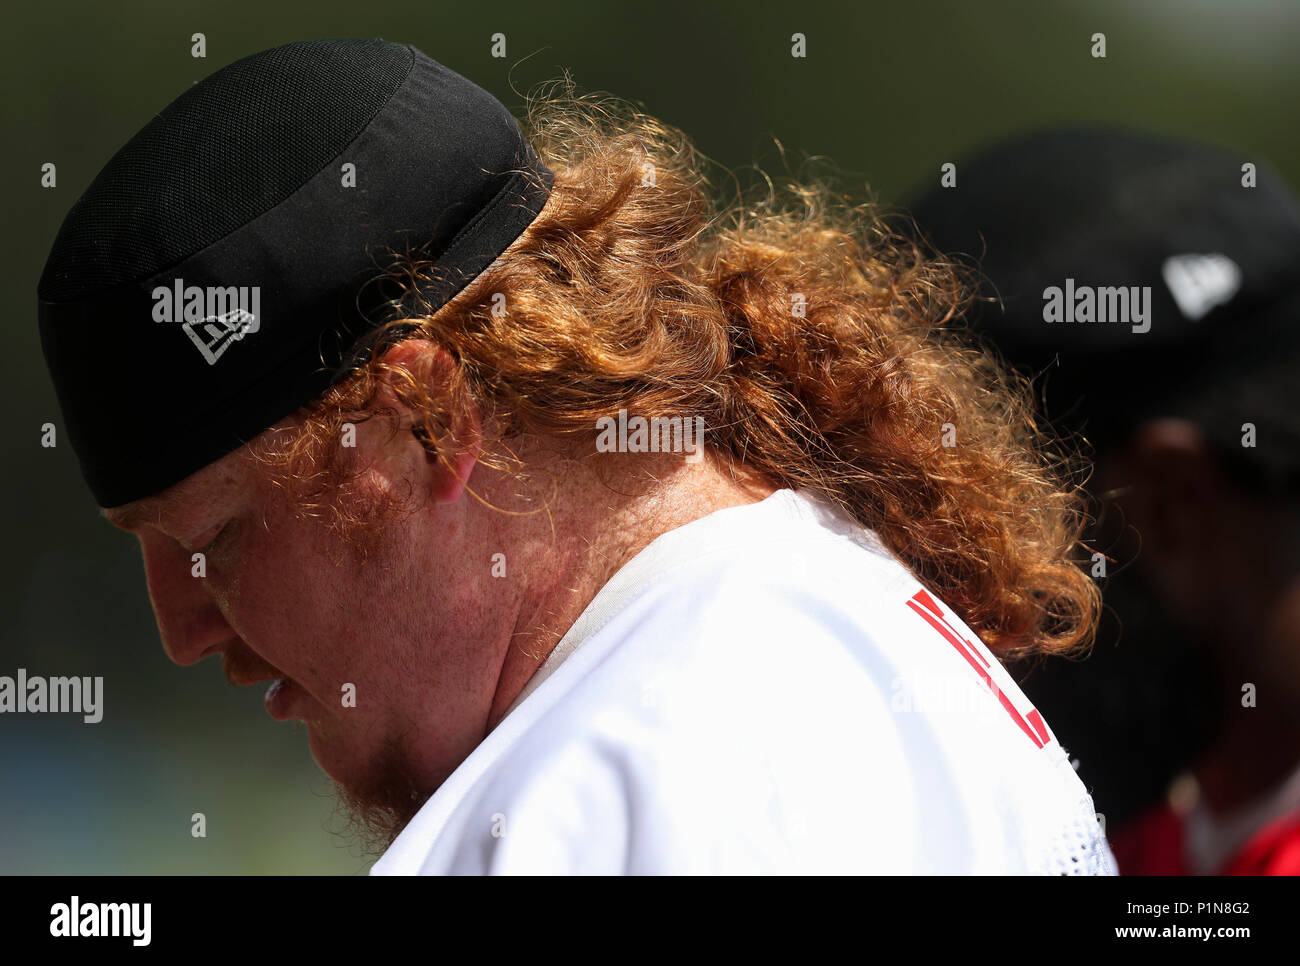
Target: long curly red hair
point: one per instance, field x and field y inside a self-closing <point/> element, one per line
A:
<point x="821" y="346"/>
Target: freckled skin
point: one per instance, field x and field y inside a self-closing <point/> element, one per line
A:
<point x="436" y="647"/>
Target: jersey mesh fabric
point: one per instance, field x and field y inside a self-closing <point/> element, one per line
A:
<point x="229" y="149"/>
<point x="1080" y="848"/>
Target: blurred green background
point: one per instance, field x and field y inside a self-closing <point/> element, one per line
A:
<point x="887" y="93"/>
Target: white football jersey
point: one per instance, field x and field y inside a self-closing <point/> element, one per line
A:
<point x="764" y="690"/>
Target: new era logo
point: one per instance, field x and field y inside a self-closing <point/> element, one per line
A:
<point x="1198" y="283"/>
<point x="215" y="334"/>
<point x="213" y="316"/>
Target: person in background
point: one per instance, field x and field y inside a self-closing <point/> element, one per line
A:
<point x="1151" y="289"/>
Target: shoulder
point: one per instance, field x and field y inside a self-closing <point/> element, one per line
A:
<point x="781" y="709"/>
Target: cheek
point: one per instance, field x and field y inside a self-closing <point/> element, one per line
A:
<point x="287" y="599"/>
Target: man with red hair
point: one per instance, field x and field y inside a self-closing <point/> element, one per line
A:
<point x="520" y="640"/>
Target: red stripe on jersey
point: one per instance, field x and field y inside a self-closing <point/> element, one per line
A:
<point x="1039" y="724"/>
<point x="923" y="604"/>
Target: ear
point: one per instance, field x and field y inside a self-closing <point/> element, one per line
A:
<point x="451" y="458"/>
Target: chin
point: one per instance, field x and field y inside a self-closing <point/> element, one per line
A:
<point x="344" y="758"/>
<point x="373" y="777"/>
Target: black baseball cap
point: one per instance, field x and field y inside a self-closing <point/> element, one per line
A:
<point x="1137" y="277"/>
<point x="221" y="270"/>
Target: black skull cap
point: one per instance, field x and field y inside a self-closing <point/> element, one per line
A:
<point x="225" y="267"/>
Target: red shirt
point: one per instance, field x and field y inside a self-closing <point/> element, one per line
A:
<point x="1152" y="844"/>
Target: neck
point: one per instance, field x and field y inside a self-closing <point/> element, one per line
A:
<point x="570" y="553"/>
